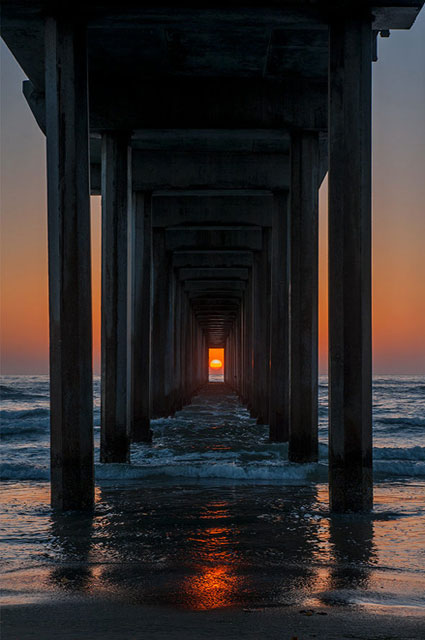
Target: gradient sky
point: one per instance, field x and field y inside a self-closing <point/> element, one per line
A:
<point x="398" y="219"/>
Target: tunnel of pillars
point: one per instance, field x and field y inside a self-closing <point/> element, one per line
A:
<point x="207" y="313"/>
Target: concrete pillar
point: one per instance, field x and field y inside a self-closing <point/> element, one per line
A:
<point x="249" y="353"/>
<point x="71" y="393"/>
<point x="279" y="329"/>
<point x="116" y="163"/>
<point x="230" y="357"/>
<point x="178" y="348"/>
<point x="185" y="349"/>
<point x="141" y="270"/>
<point x="170" y="375"/>
<point x="160" y="314"/>
<point x="189" y="352"/>
<point x="239" y="343"/>
<point x="303" y="434"/>
<point x="350" y="378"/>
<point x="262" y="329"/>
<point x="243" y="350"/>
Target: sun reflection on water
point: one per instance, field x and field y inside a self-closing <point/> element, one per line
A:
<point x="216" y="579"/>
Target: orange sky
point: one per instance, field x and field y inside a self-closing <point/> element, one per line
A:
<point x="398" y="220"/>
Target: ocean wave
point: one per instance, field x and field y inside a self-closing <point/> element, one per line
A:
<point x="16" y="431"/>
<point x="8" y="392"/>
<point x="24" y="414"/>
<point x="400" y="421"/>
<point x="276" y="472"/>
<point x="397" y="453"/>
<point x="18" y="471"/>
<point x="279" y="473"/>
<point x="399" y="468"/>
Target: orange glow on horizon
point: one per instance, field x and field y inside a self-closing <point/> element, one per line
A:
<point x="216" y="359"/>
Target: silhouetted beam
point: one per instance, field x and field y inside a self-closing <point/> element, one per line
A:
<point x="201" y="103"/>
<point x="158" y="170"/>
<point x="248" y="140"/>
<point x="213" y="236"/>
<point x="232" y="207"/>
<point x="211" y="272"/>
<point x="212" y="258"/>
<point x="208" y="286"/>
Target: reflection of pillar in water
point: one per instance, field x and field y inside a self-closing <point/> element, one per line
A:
<point x="73" y="536"/>
<point x="353" y="551"/>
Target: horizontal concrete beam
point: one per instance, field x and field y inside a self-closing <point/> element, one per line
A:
<point x="158" y="170"/>
<point x="211" y="272"/>
<point x="213" y="237"/>
<point x="209" y="102"/>
<point x="207" y="286"/>
<point x="212" y="258"/>
<point x="228" y="208"/>
<point x="249" y="140"/>
<point x="213" y="296"/>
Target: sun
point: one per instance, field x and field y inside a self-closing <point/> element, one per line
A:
<point x="216" y="364"/>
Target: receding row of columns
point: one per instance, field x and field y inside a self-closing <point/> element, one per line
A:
<point x="154" y="349"/>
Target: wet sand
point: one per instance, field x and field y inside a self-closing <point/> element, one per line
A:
<point x="95" y="619"/>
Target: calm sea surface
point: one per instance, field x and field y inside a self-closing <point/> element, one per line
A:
<point x="212" y="514"/>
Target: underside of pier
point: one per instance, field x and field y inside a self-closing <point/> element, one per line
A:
<point x="207" y="131"/>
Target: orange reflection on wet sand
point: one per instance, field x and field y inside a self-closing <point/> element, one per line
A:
<point x="217" y="580"/>
<point x="212" y="587"/>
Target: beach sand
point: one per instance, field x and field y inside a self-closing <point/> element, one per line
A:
<point x="94" y="619"/>
<point x="191" y="561"/>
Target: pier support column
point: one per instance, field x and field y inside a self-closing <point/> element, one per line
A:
<point x="161" y="328"/>
<point x="116" y="163"/>
<point x="350" y="378"/>
<point x="303" y="433"/>
<point x="248" y="343"/>
<point x="178" y="347"/>
<point x="141" y="269"/>
<point x="262" y="329"/>
<point x="71" y="391"/>
<point x="279" y="326"/>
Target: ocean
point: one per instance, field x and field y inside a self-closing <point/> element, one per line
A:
<point x="211" y="513"/>
<point x="228" y="444"/>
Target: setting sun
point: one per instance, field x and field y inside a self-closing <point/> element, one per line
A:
<point x="216" y="364"/>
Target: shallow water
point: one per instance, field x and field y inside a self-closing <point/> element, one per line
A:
<point x="216" y="438"/>
<point x="213" y="515"/>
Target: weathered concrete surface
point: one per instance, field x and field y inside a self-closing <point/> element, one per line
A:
<point x="162" y="326"/>
<point x="115" y="437"/>
<point x="279" y="322"/>
<point x="229" y="207"/>
<point x="141" y="270"/>
<point x="350" y="351"/>
<point x="304" y="314"/>
<point x="261" y="329"/>
<point x="71" y="396"/>
<point x="162" y="170"/>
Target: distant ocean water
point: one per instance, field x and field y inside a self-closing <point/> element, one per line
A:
<point x="220" y="447"/>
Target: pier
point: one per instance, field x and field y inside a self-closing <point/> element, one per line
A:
<point x="208" y="132"/>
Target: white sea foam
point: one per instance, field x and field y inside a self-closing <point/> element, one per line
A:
<point x="278" y="472"/>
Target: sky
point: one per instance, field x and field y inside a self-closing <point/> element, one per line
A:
<point x="398" y="219"/>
